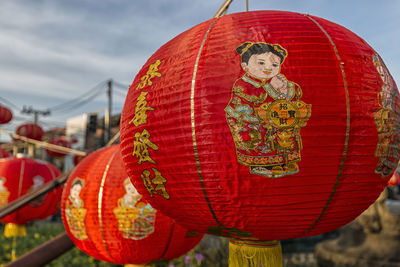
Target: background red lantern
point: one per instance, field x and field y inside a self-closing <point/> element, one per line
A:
<point x="394" y="180"/>
<point x="58" y="142"/>
<point x="106" y="217"/>
<point x="5" y="115"/>
<point x="4" y="153"/>
<point x="30" y="130"/>
<point x="77" y="159"/>
<point x="18" y="176"/>
<point x="262" y="125"/>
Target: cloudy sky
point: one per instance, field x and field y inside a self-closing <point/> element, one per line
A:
<point x="53" y="51"/>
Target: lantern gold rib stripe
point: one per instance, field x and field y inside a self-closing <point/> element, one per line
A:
<point x="21" y="178"/>
<point x="169" y="240"/>
<point x="100" y="202"/>
<point x="346" y="144"/>
<point x="192" y="93"/>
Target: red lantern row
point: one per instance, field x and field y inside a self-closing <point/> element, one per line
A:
<point x="108" y="219"/>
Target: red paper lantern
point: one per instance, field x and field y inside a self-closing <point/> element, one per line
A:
<point x="106" y="217"/>
<point x="4" y="153"/>
<point x="30" y="130"/>
<point x="5" y="115"/>
<point x="19" y="176"/>
<point x="58" y="142"/>
<point x="394" y="180"/>
<point x="261" y="126"/>
<point x="77" y="159"/>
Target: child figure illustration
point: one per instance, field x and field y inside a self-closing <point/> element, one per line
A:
<point x="75" y="211"/>
<point x="387" y="122"/>
<point x="38" y="181"/>
<point x="135" y="218"/>
<point x="265" y="112"/>
<point x="4" y="193"/>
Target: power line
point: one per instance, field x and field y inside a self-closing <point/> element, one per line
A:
<point x="66" y="104"/>
<point x="78" y="104"/>
<point x="124" y="86"/>
<point x="9" y="103"/>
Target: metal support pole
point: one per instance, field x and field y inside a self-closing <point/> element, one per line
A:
<point x="21" y="201"/>
<point x="44" y="253"/>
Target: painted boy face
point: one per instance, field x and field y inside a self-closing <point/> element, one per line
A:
<point x="75" y="190"/>
<point x="263" y="66"/>
<point x="130" y="189"/>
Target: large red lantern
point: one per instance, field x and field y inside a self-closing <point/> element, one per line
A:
<point x="5" y="115"/>
<point x="30" y="130"/>
<point x="19" y="176"/>
<point x="261" y="126"/>
<point x="108" y="219"/>
<point x="58" y="142"/>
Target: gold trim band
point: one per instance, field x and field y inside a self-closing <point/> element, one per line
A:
<point x="100" y="201"/>
<point x="192" y="93"/>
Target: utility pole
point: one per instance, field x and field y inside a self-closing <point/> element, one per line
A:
<point x="109" y="120"/>
<point x="36" y="113"/>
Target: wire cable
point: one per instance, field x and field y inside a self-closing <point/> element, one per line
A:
<point x="97" y="88"/>
<point x="2" y="99"/>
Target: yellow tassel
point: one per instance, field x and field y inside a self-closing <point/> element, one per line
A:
<point x="255" y="253"/>
<point x="14" y="230"/>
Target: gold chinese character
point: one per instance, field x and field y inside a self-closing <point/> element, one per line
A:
<point x="141" y="145"/>
<point x="147" y="183"/>
<point x="158" y="180"/>
<point x="140" y="110"/>
<point x="151" y="73"/>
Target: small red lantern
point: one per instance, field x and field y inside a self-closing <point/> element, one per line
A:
<point x="5" y="115"/>
<point x="74" y="140"/>
<point x="261" y="126"/>
<point x="77" y="159"/>
<point x="108" y="219"/>
<point x="394" y="180"/>
<point x="18" y="176"/>
<point x="4" y="153"/>
<point x="58" y="142"/>
<point x="30" y="130"/>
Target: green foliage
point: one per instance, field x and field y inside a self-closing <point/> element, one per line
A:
<point x="36" y="235"/>
<point x="211" y="251"/>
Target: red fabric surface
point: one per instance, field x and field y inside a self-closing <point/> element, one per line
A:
<point x="5" y="115"/>
<point x="30" y="130"/>
<point x="105" y="194"/>
<point x="186" y="135"/>
<point x="23" y="175"/>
